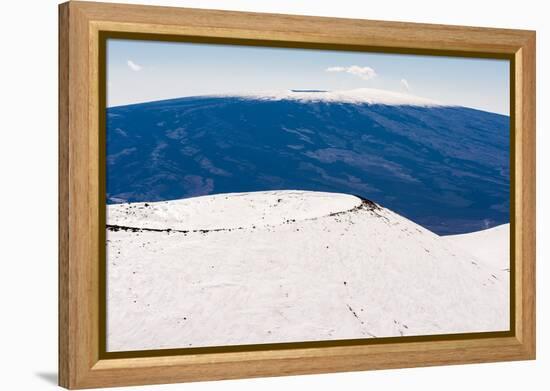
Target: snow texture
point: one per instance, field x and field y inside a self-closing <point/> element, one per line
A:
<point x="289" y="266"/>
<point x="490" y="245"/>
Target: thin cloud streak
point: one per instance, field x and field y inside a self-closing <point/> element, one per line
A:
<point x="133" y="66"/>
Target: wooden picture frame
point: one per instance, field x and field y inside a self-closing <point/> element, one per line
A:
<point x="82" y="28"/>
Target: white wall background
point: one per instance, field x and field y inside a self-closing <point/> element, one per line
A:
<point x="28" y="195"/>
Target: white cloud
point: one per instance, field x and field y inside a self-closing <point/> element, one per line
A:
<point x="405" y="84"/>
<point x="133" y="66"/>
<point x="336" y="69"/>
<point x="365" y="73"/>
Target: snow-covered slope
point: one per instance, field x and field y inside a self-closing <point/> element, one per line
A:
<point x="235" y="210"/>
<point x="491" y="246"/>
<point x="359" y="95"/>
<point x="286" y="266"/>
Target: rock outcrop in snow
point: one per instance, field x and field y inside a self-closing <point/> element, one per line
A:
<point x="287" y="266"/>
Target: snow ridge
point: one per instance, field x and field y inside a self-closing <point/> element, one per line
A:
<point x="361" y="95"/>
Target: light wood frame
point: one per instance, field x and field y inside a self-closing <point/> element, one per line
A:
<point x="81" y="363"/>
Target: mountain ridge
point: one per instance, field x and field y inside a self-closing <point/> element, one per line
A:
<point x="444" y="167"/>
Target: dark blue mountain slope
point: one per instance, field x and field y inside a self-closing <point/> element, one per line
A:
<point x="446" y="168"/>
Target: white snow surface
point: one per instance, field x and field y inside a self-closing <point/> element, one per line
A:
<point x="288" y="266"/>
<point x="491" y="246"/>
<point x="232" y="210"/>
<point x="359" y="95"/>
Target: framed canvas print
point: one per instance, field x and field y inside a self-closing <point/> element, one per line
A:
<point x="251" y="195"/>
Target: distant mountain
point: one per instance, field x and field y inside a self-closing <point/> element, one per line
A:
<point x="444" y="167"/>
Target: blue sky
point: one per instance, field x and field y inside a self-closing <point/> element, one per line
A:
<point x="143" y="71"/>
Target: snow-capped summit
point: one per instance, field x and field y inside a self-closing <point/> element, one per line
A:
<point x="287" y="266"/>
<point x="359" y="95"/>
<point x="230" y="211"/>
